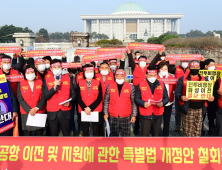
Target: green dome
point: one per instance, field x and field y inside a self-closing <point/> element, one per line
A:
<point x="130" y="7"/>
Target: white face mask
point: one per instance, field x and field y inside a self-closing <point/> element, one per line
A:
<point x="89" y="75"/>
<point x="30" y="76"/>
<point x="211" y="68"/>
<point x="47" y="66"/>
<point x="113" y="67"/>
<point x="142" y="64"/>
<point x="6" y="66"/>
<point x="41" y="67"/>
<point x="138" y="57"/>
<point x="152" y="79"/>
<point x="162" y="58"/>
<point x="120" y="81"/>
<point x="57" y="72"/>
<point x="184" y="64"/>
<point x="104" y="72"/>
<point x="163" y="73"/>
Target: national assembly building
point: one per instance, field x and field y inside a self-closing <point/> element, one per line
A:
<point x="132" y="21"/>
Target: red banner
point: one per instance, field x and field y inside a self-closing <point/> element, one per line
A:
<point x="14" y="78"/>
<point x="172" y="62"/>
<point x="218" y="67"/>
<point x="85" y="51"/>
<point x="37" y="53"/>
<point x="143" y="46"/>
<point x="71" y="65"/>
<point x="100" y="57"/>
<point x="111" y="50"/>
<point x="176" y="57"/>
<point x="9" y="49"/>
<point x="110" y="153"/>
<point x="169" y="81"/>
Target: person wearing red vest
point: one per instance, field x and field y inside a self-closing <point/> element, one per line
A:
<point x="151" y="97"/>
<point x="31" y="99"/>
<point x="218" y="97"/>
<point x="192" y="110"/>
<point x="119" y="105"/>
<point x="59" y="93"/>
<point x="113" y="64"/>
<point x="163" y="73"/>
<point x="105" y="77"/>
<point x="89" y="92"/>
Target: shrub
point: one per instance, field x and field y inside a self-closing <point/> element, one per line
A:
<point x="107" y="43"/>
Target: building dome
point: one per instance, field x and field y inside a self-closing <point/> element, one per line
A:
<point x="130" y="8"/>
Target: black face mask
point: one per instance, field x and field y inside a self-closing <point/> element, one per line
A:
<point x="194" y="71"/>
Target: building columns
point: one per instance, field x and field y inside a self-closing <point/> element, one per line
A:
<point x="124" y="28"/>
<point x="178" y="26"/>
<point x="174" y="30"/>
<point x="138" y="28"/>
<point x="97" y="26"/>
<point x="172" y="26"/>
<point x="85" y="26"/>
<point x="111" y="29"/>
<point x="165" y="22"/>
<point x="151" y="28"/>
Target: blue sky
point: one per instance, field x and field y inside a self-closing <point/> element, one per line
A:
<point x="64" y="15"/>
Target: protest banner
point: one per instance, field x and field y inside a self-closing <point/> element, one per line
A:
<point x="199" y="90"/>
<point x="85" y="52"/>
<point x="9" y="49"/>
<point x="71" y="65"/>
<point x="175" y="57"/>
<point x="100" y="57"/>
<point x="15" y="78"/>
<point x="211" y="75"/>
<point x="218" y="67"/>
<point x="169" y="81"/>
<point x="110" y="153"/>
<point x="6" y="113"/>
<point x="111" y="50"/>
<point x="38" y="53"/>
<point x="144" y="46"/>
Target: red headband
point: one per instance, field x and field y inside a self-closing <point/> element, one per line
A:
<point x="142" y="59"/>
<point x="29" y="70"/>
<point x="194" y="64"/>
<point x="39" y="60"/>
<point x="6" y="59"/>
<point x="56" y="64"/>
<point x="88" y="68"/>
<point x="112" y="61"/>
<point x="151" y="71"/>
<point x="120" y="73"/>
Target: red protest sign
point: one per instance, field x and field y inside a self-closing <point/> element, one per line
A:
<point x="143" y="46"/>
<point x="37" y="53"/>
<point x="100" y="57"/>
<point x="176" y="57"/>
<point x="110" y="153"/>
<point x="111" y="50"/>
<point x="71" y="65"/>
<point x="169" y="81"/>
<point x="218" y="67"/>
<point x="85" y="51"/>
<point x="9" y="49"/>
<point x="172" y="62"/>
<point x="14" y="78"/>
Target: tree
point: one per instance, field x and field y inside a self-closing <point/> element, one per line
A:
<point x="7" y="31"/>
<point x="98" y="35"/>
<point x="153" y="40"/>
<point x="195" y="33"/>
<point x="44" y="33"/>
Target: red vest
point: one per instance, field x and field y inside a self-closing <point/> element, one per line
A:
<point x="146" y="94"/>
<point x="89" y="98"/>
<point x="180" y="72"/>
<point x="14" y="85"/>
<point x="120" y="105"/>
<point x="79" y="77"/>
<point x="171" y="87"/>
<point x="96" y="70"/>
<point x="185" y="87"/>
<point x="61" y="95"/>
<point x="109" y="79"/>
<point x="139" y="74"/>
<point x="136" y="60"/>
<point x="31" y="98"/>
<point x="48" y="74"/>
<point x="220" y="99"/>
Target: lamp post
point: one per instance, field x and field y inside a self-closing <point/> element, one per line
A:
<point x="79" y="42"/>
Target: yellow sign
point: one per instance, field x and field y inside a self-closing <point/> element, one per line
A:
<point x="211" y="75"/>
<point x="2" y="78"/>
<point x="199" y="90"/>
